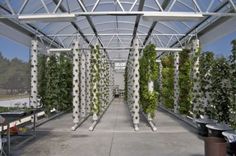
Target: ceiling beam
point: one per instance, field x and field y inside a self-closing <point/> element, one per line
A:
<point x="60" y="50"/>
<point x="116" y="34"/>
<point x="77" y="28"/>
<point x="202" y="22"/>
<point x="31" y="31"/>
<point x="137" y="20"/>
<point x="164" y="6"/>
<point x="159" y="49"/>
<point x="82" y="6"/>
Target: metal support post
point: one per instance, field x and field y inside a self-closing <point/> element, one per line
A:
<point x="75" y="84"/>
<point x="82" y="85"/>
<point x="34" y="80"/>
<point x="88" y="81"/>
<point x="136" y="83"/>
<point x="176" y="83"/>
<point x="196" y="100"/>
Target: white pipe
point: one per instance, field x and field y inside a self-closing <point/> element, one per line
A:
<point x="136" y="128"/>
<point x="95" y="122"/>
<point x="149" y="120"/>
<point x="91" y="128"/>
<point x="154" y="128"/>
<point x="76" y="125"/>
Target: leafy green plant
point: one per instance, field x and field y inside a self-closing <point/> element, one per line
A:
<point x="157" y="86"/>
<point x="232" y="60"/>
<point x="106" y="83"/>
<point x="50" y="99"/>
<point x="206" y="62"/>
<point x="167" y="92"/>
<point x="65" y="83"/>
<point x="221" y="89"/>
<point x="184" y="82"/>
<point x="95" y="71"/>
<point x="55" y="82"/>
<point x="148" y="73"/>
<point x="42" y="76"/>
<point x="196" y="93"/>
<point x="126" y="84"/>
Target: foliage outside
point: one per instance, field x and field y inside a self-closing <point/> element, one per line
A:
<point x="232" y="60"/>
<point x="15" y="76"/>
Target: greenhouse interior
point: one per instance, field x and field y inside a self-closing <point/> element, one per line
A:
<point x="118" y="77"/>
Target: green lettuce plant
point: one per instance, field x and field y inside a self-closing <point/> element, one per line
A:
<point x="196" y="93"/>
<point x="221" y="89"/>
<point x="51" y="97"/>
<point x="95" y="76"/>
<point x="206" y="62"/>
<point x="55" y="82"/>
<point x="184" y="82"/>
<point x="167" y="92"/>
<point x="65" y="83"/>
<point x="42" y="77"/>
<point x="157" y="86"/>
<point x="148" y="73"/>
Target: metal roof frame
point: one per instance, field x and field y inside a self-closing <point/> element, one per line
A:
<point x="145" y="31"/>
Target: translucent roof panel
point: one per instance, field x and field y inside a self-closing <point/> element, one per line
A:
<point x="116" y="31"/>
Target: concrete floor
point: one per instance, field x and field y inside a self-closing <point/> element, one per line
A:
<point x="114" y="136"/>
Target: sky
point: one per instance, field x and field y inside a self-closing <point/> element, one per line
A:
<point x="11" y="49"/>
<point x="221" y="47"/>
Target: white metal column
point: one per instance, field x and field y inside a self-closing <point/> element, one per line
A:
<point x="82" y="85"/>
<point x="196" y="101"/>
<point x="160" y="81"/>
<point x="88" y="81"/>
<point x="75" y="83"/>
<point x="111" y="83"/>
<point x="95" y="83"/>
<point x="106" y="82"/>
<point x="207" y="97"/>
<point x="101" y="83"/>
<point x="176" y="83"/>
<point x="34" y="74"/>
<point x="135" y="97"/>
<point x="130" y="82"/>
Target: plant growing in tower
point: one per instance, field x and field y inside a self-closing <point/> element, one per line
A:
<point x="167" y="92"/>
<point x="95" y="77"/>
<point x="148" y="74"/>
<point x="184" y="82"/>
<point x="205" y="67"/>
<point x="221" y="89"/>
<point x="51" y="95"/>
<point x="196" y="94"/>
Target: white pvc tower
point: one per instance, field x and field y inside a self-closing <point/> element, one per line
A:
<point x="75" y="83"/>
